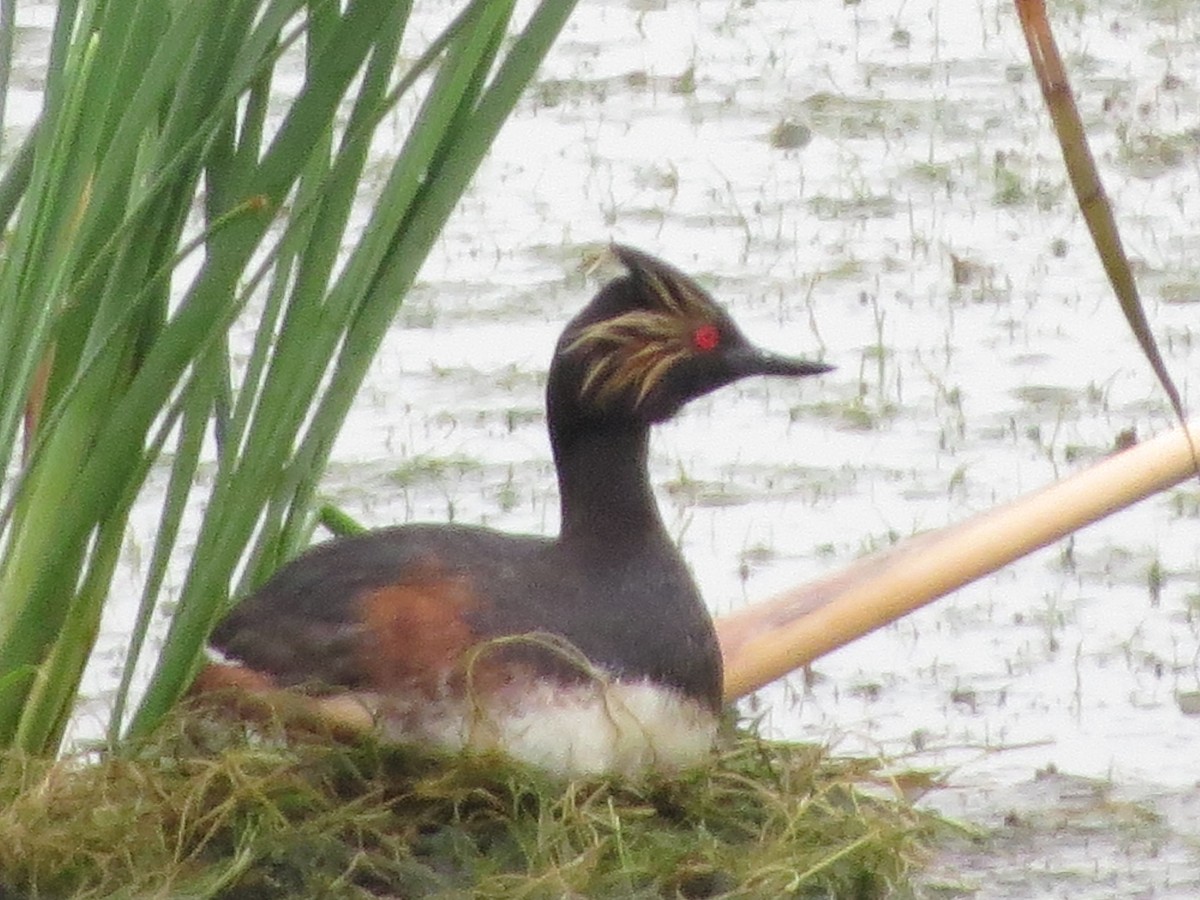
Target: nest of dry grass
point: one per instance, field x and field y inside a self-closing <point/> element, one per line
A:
<point x="209" y="809"/>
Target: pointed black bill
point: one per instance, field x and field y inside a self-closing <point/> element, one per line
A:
<point x="750" y="360"/>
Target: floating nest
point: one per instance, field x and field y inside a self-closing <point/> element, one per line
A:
<point x="208" y="808"/>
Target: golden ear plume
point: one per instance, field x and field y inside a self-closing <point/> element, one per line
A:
<point x="634" y="351"/>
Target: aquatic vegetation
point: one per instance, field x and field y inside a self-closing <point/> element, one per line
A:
<point x="206" y="808"/>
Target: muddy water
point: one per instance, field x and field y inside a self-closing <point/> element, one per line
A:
<point x="876" y="182"/>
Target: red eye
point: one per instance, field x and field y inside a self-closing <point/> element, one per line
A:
<point x="706" y="337"/>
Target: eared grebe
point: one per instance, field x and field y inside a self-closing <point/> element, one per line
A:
<point x="590" y="652"/>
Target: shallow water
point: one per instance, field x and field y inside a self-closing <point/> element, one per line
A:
<point x="821" y="166"/>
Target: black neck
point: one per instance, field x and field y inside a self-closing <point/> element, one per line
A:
<point x="604" y="487"/>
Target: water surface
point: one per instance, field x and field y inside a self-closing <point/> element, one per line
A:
<point x="877" y="183"/>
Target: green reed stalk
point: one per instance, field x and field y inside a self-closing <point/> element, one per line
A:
<point x="166" y="139"/>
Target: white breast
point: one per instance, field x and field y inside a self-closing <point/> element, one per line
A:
<point x="598" y="727"/>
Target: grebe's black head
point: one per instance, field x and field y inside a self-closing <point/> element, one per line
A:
<point x="649" y="342"/>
